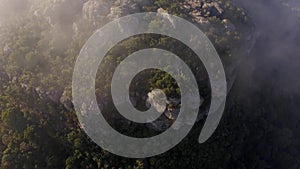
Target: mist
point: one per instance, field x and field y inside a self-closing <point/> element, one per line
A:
<point x="274" y="61"/>
<point x="272" y="68"/>
<point x="275" y="55"/>
<point x="261" y="124"/>
<point x="268" y="79"/>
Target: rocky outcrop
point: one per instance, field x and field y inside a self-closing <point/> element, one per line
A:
<point x="7" y="50"/>
<point x="201" y="10"/>
<point x="99" y="10"/>
<point x="66" y="101"/>
<point x="158" y="100"/>
<point x="170" y="113"/>
<point x="212" y="9"/>
<point x="96" y="10"/>
<point x="53" y="96"/>
<point x="122" y="8"/>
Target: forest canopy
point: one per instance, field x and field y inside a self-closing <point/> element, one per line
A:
<point x="40" y="41"/>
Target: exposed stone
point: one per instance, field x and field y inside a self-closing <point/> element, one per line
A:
<point x="53" y="96"/>
<point x="41" y="93"/>
<point x="14" y="79"/>
<point x="172" y="113"/>
<point x="66" y="101"/>
<point x="100" y="10"/>
<point x="7" y="50"/>
<point x="194" y="9"/>
<point x="24" y="86"/>
<point x="165" y="14"/>
<point x="122" y="8"/>
<point x="213" y="8"/>
<point x="96" y="10"/>
<point x="157" y="99"/>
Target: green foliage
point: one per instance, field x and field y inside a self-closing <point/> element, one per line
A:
<point x="14" y="119"/>
<point x="37" y="131"/>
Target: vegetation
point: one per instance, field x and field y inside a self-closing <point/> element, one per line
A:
<point x="39" y="131"/>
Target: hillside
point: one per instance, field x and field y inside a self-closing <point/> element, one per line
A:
<point x="40" y="41"/>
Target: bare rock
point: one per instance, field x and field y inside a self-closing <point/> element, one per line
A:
<point x="66" y="101"/>
<point x="96" y="10"/>
<point x="157" y="99"/>
<point x="122" y="8"/>
<point x="7" y="50"/>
